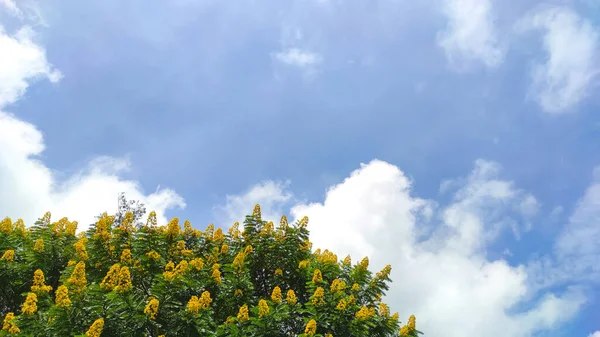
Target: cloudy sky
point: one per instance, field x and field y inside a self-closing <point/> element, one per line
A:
<point x="454" y="139"/>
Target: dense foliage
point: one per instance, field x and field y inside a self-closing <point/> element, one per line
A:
<point x="124" y="277"/>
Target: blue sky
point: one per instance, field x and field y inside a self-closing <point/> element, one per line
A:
<point x="480" y="114"/>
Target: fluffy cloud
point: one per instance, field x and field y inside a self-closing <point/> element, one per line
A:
<point x="440" y="268"/>
<point x="11" y="7"/>
<point x="571" y="44"/>
<point x="470" y="34"/>
<point x="298" y="57"/>
<point x="595" y="334"/>
<point x="29" y="187"/>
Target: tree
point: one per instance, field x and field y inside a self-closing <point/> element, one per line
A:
<point x="124" y="278"/>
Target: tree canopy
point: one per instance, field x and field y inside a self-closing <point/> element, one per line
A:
<point x="129" y="277"/>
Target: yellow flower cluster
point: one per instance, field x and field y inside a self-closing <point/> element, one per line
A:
<point x="216" y="274"/>
<point x="243" y="313"/>
<point x="45" y="220"/>
<point x="384" y="273"/>
<point x="307" y="245"/>
<point x="124" y="284"/>
<point x="384" y="310"/>
<point x="9" y="325"/>
<point x="6" y="226"/>
<point x="151" y="223"/>
<point x="412" y="322"/>
<point x="303" y="264"/>
<point x="95" y="329"/>
<point x="290" y="297"/>
<point x="8" y="255"/>
<point x="153" y="255"/>
<point x="197" y="263"/>
<point x="38" y="245"/>
<point x="351" y="299"/>
<point x="318" y="296"/>
<point x="77" y="279"/>
<point x="127" y="223"/>
<point x="337" y="286"/>
<point x="62" y="297"/>
<point x="59" y="226"/>
<point x="193" y="305"/>
<point x="71" y="228"/>
<point x="303" y="222"/>
<point x="248" y="250"/>
<point x="171" y="272"/>
<point x="173" y="228"/>
<point x="238" y="262"/>
<point x="267" y="229"/>
<point x="365" y="313"/>
<point x="126" y="256"/>
<point x="283" y="222"/>
<point x="30" y="305"/>
<point x="218" y="236"/>
<point x="205" y="300"/>
<point x="395" y="316"/>
<point x="355" y="287"/>
<point x="111" y="279"/>
<point x="102" y="227"/>
<point x="151" y="308"/>
<point x="224" y="249"/>
<point x="188" y="230"/>
<point x="39" y="283"/>
<point x="256" y="214"/>
<point x="80" y="249"/>
<point x="328" y="257"/>
<point x="276" y="295"/>
<point x="317" y="276"/>
<point x="237" y="292"/>
<point x="311" y="328"/>
<point x="364" y="263"/>
<point x="20" y="226"/>
<point x="234" y="231"/>
<point x="279" y="272"/>
<point x="263" y="308"/>
<point x="341" y="305"/>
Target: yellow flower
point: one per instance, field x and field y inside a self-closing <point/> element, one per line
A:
<point x="363" y="313"/>
<point x="328" y="335"/>
<point x="311" y="328"/>
<point x="197" y="263"/>
<point x="6" y="226"/>
<point x="218" y="236"/>
<point x="384" y="310"/>
<point x="355" y="287"/>
<point x="318" y="296"/>
<point x="39" y="283"/>
<point x="45" y="220"/>
<point x="216" y="274"/>
<point x="172" y="272"/>
<point x="124" y="280"/>
<point x="328" y="257"/>
<point x="238" y="262"/>
<point x="412" y="322"/>
<point x="267" y="229"/>
<point x="71" y="263"/>
<point x="8" y="255"/>
<point x="395" y="316"/>
<point x="307" y="245"/>
<point x="404" y="331"/>
<point x="153" y="255"/>
<point x="243" y="313"/>
<point x="62" y="297"/>
<point x="80" y="249"/>
<point x="193" y="305"/>
<point x="205" y="300"/>
<point x="224" y="249"/>
<point x="351" y="299"/>
<point x="126" y="256"/>
<point x="303" y="264"/>
<point x="112" y="278"/>
<point x="173" y="228"/>
<point x="248" y="250"/>
<point x="30" y="305"/>
<point x="341" y="305"/>
<point x="278" y="271"/>
<point x="364" y="264"/>
<point x="283" y="222"/>
<point x="187" y="228"/>
<point x="317" y="276"/>
<point x="38" y="245"/>
<point x="187" y="252"/>
<point x="151" y="308"/>
<point x="96" y="329"/>
<point x="256" y="212"/>
<point x="151" y="223"/>
<point x="77" y="279"/>
<point x="237" y="292"/>
<point x="103" y="226"/>
<point x="384" y="273"/>
<point x="290" y="297"/>
<point x="71" y="228"/>
<point x="263" y="308"/>
<point x="276" y="295"/>
<point x="303" y="222"/>
<point x="9" y="325"/>
<point x="337" y="286"/>
<point x="234" y="231"/>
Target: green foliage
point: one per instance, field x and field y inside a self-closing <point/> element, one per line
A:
<point x="124" y="277"/>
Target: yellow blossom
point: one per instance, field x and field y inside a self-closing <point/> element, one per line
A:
<point x="218" y="236"/>
<point x="39" y="283"/>
<point x="355" y="287"/>
<point x="124" y="280"/>
<point x="341" y="305"/>
<point x="9" y="324"/>
<point x="197" y="263"/>
<point x="224" y="248"/>
<point x="30" y="305"/>
<point x="311" y="328"/>
<point x="151" y="308"/>
<point x="238" y="262"/>
<point x="283" y="222"/>
<point x="151" y="223"/>
<point x="364" y="313"/>
<point x="278" y="271"/>
<point x="395" y="316"/>
<point x="256" y="212"/>
<point x="303" y="264"/>
<point x="187" y="252"/>
<point x="77" y="279"/>
<point x="95" y="329"/>
<point x="317" y="276"/>
<point x="328" y="335"/>
<point x="337" y="286"/>
<point x="209" y="231"/>
<point x="263" y="308"/>
<point x="111" y="279"/>
<point x="153" y="255"/>
<point x="171" y="272"/>
<point x="412" y="322"/>
<point x="351" y="299"/>
<point x="216" y="274"/>
<point x="8" y="255"/>
<point x="126" y="256"/>
<point x="364" y="264"/>
<point x="404" y="331"/>
<point x="193" y="305"/>
<point x="268" y="229"/>
<point x="248" y="250"/>
<point x="328" y="257"/>
<point x="205" y="300"/>
<point x="237" y="292"/>
<point x="384" y="273"/>
<point x="38" y="245"/>
<point x="384" y="310"/>
<point x="80" y="249"/>
<point x="276" y="295"/>
<point x="71" y="228"/>
<point x="173" y="228"/>
<point x="62" y="297"/>
<point x="103" y="226"/>
<point x="303" y="222"/>
<point x="347" y="261"/>
<point x="6" y="226"/>
<point x="318" y="296"/>
<point x="234" y="231"/>
<point x="45" y="220"/>
<point x="71" y="263"/>
<point x="243" y="313"/>
<point x="187" y="229"/>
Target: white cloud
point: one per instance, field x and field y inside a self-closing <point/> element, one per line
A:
<point x="571" y="43"/>
<point x="470" y="34"/>
<point x="595" y="334"/>
<point x="298" y="57"/>
<point x="11" y="7"/>
<point x="29" y="187"/>
<point x="443" y="276"/>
